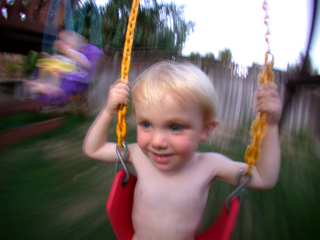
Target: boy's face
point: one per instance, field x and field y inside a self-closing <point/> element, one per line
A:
<point x="169" y="134"/>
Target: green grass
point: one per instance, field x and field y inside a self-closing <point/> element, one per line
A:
<point x="50" y="190"/>
<point x="21" y="119"/>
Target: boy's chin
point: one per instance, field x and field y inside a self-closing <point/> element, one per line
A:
<point x="166" y="168"/>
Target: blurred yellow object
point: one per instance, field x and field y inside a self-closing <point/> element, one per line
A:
<point x="55" y="65"/>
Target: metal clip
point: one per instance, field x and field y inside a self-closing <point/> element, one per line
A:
<point x="122" y="157"/>
<point x="241" y="190"/>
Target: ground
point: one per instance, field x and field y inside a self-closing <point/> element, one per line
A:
<point x="50" y="190"/>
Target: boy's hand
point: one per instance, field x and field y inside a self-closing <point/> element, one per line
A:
<point x="268" y="101"/>
<point x="118" y="95"/>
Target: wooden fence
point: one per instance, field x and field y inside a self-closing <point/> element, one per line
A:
<point x="234" y="84"/>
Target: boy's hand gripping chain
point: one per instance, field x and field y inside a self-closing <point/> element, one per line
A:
<point x="125" y="66"/>
<point x="259" y="125"/>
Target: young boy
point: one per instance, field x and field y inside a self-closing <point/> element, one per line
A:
<point x="67" y="60"/>
<point x="175" y="107"/>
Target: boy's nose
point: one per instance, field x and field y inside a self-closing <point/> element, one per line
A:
<point x="159" y="140"/>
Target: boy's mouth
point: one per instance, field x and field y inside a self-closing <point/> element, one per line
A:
<point x="161" y="158"/>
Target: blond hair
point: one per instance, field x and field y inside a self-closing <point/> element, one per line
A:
<point x="184" y="81"/>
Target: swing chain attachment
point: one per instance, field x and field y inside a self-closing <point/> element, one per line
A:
<point x="125" y="66"/>
<point x="122" y="155"/>
<point x="242" y="182"/>
<point x="259" y="126"/>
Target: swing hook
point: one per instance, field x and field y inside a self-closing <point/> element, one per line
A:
<point x="122" y="155"/>
<point x="241" y="190"/>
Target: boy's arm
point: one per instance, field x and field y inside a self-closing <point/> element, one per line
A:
<point x="80" y="58"/>
<point x="266" y="172"/>
<point x="95" y="144"/>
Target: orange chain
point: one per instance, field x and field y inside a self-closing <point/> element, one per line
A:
<point x="125" y="66"/>
<point x="259" y="126"/>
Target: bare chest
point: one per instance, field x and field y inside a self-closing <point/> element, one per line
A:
<point x="171" y="191"/>
<point x="170" y="209"/>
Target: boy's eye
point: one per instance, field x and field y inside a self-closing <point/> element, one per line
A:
<point x="175" y="128"/>
<point x="145" y="125"/>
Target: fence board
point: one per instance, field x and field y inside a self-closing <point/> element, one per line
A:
<point x="235" y="86"/>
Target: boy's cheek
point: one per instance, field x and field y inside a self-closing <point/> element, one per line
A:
<point x="142" y="139"/>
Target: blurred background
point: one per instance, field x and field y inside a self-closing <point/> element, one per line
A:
<point x="50" y="190"/>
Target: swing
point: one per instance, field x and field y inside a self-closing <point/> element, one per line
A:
<point x="74" y="85"/>
<point x="120" y="201"/>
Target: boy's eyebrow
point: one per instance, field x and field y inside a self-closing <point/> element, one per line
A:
<point x="141" y="118"/>
<point x="179" y="121"/>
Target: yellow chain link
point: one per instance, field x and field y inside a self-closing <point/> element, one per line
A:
<point x="259" y="126"/>
<point x="125" y="66"/>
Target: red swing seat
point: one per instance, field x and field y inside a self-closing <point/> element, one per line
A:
<point x="119" y="209"/>
<point x="222" y="228"/>
<point x="119" y="206"/>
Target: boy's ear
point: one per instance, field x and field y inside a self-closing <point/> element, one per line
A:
<point x="208" y="128"/>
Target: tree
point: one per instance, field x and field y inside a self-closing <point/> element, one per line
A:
<point x="158" y="25"/>
<point x="208" y="59"/>
<point x="225" y="55"/>
<point x="87" y="21"/>
<point x="194" y="57"/>
<point x="295" y="69"/>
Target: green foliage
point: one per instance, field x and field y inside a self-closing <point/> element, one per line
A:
<point x="209" y="56"/>
<point x="225" y="55"/>
<point x="23" y="66"/>
<point x="158" y="25"/>
<point x="294" y="69"/>
<point x="194" y="57"/>
<point x="12" y="69"/>
<point x="208" y="59"/>
<point x="20" y="120"/>
<point x="87" y="21"/>
<point x="30" y="63"/>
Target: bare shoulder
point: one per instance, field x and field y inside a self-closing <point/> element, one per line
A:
<point x="224" y="168"/>
<point x="210" y="163"/>
<point x="134" y="152"/>
<point x="214" y="158"/>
